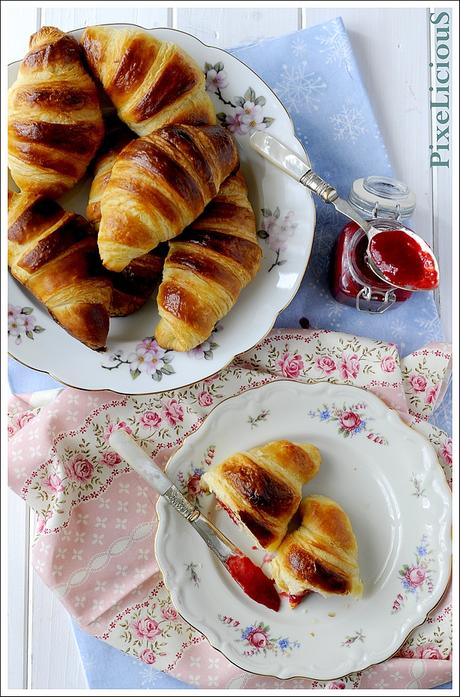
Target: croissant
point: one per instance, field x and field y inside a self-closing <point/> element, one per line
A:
<point x="54" y="120"/>
<point x="117" y="135"/>
<point x="262" y="488"/>
<point x="158" y="186"/>
<point x="132" y="287"/>
<point x="321" y="555"/>
<point x="207" y="267"/>
<point x="54" y="255"/>
<point x="150" y="82"/>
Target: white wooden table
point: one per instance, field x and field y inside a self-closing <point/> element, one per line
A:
<point x="392" y="49"/>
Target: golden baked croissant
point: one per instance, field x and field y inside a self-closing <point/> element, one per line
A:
<point x="54" y="255"/>
<point x="262" y="488"/>
<point x="158" y="186"/>
<point x="207" y="267"/>
<point x="321" y="555"/>
<point x="54" y="120"/>
<point x="132" y="287"/>
<point x="150" y="82"/>
<point x="117" y="135"/>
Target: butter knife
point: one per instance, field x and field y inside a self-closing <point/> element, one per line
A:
<point x="299" y="168"/>
<point x="249" y="576"/>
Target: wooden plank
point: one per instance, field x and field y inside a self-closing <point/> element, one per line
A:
<point x="54" y="660"/>
<point x="74" y="18"/>
<point x="20" y="25"/>
<point x="229" y="27"/>
<point x="391" y="48"/>
<point x="18" y="592"/>
<point x="442" y="245"/>
<point x="442" y="175"/>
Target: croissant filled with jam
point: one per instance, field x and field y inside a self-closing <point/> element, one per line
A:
<point x="262" y="488"/>
<point x="320" y="556"/>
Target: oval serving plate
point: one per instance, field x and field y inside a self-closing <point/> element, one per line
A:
<point x="282" y="207"/>
<point x="387" y="478"/>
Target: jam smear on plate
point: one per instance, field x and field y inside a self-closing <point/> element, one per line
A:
<point x="253" y="581"/>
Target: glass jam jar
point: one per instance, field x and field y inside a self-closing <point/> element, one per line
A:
<point x="384" y="201"/>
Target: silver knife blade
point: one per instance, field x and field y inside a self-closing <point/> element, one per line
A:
<point x="222" y="547"/>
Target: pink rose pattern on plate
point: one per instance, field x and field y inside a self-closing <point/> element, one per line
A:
<point x="276" y="231"/>
<point x="190" y="481"/>
<point x="351" y="420"/>
<point x="21" y="322"/>
<point x="247" y="112"/>
<point x="417" y="577"/>
<point x="256" y="638"/>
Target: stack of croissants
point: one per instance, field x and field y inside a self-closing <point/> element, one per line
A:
<point x="167" y="202"/>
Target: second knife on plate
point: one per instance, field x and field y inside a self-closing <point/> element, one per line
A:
<point x="249" y="576"/>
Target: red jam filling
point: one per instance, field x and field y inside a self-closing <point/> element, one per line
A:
<point x="253" y="581"/>
<point x="295" y="600"/>
<point x="230" y="513"/>
<point x="402" y="261"/>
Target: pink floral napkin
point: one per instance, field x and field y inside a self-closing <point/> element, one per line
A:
<point x="96" y="520"/>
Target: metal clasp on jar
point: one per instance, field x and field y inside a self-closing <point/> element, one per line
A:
<point x="389" y="298"/>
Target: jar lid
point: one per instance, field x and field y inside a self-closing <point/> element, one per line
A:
<point x="389" y="195"/>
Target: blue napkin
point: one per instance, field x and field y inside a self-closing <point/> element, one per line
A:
<point x="315" y="75"/>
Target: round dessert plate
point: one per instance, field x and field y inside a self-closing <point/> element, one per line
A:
<point x="387" y="478"/>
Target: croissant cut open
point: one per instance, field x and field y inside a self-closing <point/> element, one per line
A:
<point x="150" y="82"/>
<point x="321" y="555"/>
<point x="262" y="487"/>
<point x="55" y="122"/>
<point x="53" y="253"/>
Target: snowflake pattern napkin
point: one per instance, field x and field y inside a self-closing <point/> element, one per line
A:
<point x="315" y="75"/>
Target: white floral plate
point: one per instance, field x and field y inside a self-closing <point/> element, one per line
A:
<point x="285" y="214"/>
<point x="387" y="478"/>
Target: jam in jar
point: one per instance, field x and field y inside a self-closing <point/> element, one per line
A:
<point x="385" y="201"/>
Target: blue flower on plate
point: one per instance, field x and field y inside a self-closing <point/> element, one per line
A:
<point x="246" y="632"/>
